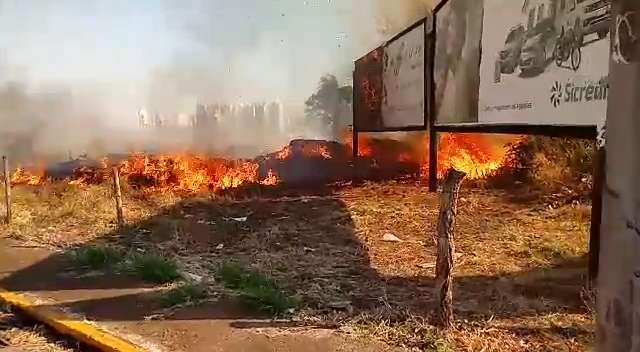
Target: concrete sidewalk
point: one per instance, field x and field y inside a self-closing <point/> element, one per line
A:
<point x="121" y="308"/>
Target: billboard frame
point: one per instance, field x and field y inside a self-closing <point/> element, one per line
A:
<point x="566" y="131"/>
<point x="559" y="130"/>
<point x="426" y="71"/>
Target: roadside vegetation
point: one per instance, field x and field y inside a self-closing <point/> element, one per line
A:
<point x="321" y="258"/>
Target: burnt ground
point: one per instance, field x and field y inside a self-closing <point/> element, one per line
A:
<point x="519" y="277"/>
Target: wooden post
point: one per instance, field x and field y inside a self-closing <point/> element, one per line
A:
<point x="446" y="245"/>
<point x="7" y="187"/>
<point x="118" y="196"/>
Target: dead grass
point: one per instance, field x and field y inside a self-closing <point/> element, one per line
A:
<point x="60" y="215"/>
<point x="519" y="272"/>
<point x="27" y="338"/>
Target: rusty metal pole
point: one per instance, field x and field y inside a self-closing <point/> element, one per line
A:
<point x="596" y="213"/>
<point x="118" y="196"/>
<point x="446" y="246"/>
<point x="618" y="282"/>
<point x="7" y="187"/>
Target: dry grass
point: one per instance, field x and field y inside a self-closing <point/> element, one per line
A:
<point x="27" y="338"/>
<point x="519" y="265"/>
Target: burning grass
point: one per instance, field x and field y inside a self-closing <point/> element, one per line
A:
<point x="519" y="272"/>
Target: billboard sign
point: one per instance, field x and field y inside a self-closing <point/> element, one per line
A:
<point x="367" y="83"/>
<point x="544" y="62"/>
<point x="458" y="25"/>
<point x="390" y="84"/>
<point x="403" y="103"/>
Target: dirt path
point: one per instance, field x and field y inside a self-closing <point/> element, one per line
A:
<point x="126" y="307"/>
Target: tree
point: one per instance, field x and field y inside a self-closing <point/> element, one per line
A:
<point x="325" y="102"/>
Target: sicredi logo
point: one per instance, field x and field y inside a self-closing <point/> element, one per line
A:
<point x="579" y="92"/>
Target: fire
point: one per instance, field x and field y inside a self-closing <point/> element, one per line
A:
<point x="477" y="155"/>
<point x="32" y="178"/>
<point x="309" y="149"/>
<point x="285" y="153"/>
<point x="189" y="173"/>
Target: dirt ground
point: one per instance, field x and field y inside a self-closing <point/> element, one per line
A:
<point x="518" y="282"/>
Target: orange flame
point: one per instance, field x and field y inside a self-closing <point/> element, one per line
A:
<point x="477" y="155"/>
<point x="24" y="177"/>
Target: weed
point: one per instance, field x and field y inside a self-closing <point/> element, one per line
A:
<point x="184" y="294"/>
<point x="255" y="289"/>
<point x="95" y="257"/>
<point x="401" y="328"/>
<point x="154" y="268"/>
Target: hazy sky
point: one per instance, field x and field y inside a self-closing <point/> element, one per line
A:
<point x="125" y="54"/>
<point x="166" y="55"/>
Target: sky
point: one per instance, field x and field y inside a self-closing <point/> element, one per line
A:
<point x="121" y="55"/>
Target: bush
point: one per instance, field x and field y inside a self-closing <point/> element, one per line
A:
<point x="256" y="290"/>
<point x="96" y="258"/>
<point x="154" y="268"/>
<point x="547" y="163"/>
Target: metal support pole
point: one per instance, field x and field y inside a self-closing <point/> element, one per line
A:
<point x="596" y="214"/>
<point x="7" y="187"/>
<point x="433" y="160"/>
<point x="355" y="154"/>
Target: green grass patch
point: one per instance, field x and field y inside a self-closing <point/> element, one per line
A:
<point x="96" y="257"/>
<point x="184" y="294"/>
<point x="256" y="290"/>
<point x="154" y="268"/>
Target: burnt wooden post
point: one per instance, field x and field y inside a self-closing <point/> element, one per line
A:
<point x="7" y="187"/>
<point x="446" y="245"/>
<point x="118" y="196"/>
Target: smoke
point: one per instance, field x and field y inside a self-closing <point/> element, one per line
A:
<point x="119" y="57"/>
<point x="394" y="16"/>
<point x="47" y="122"/>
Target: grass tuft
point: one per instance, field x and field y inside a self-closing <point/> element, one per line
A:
<point x="184" y="294"/>
<point x="154" y="268"/>
<point x="255" y="289"/>
<point x="96" y="258"/>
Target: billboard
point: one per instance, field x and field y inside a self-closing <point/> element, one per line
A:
<point x="367" y="83"/>
<point x="403" y="79"/>
<point x="458" y="26"/>
<point x="545" y="62"/>
<point x="390" y="84"/>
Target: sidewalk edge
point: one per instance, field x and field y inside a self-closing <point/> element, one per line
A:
<point x="66" y="324"/>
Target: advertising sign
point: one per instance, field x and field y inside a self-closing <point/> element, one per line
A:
<point x="390" y="84"/>
<point x="544" y="62"/>
<point x="367" y="83"/>
<point x="403" y="78"/>
<point x="457" y="61"/>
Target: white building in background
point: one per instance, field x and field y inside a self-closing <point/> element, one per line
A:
<point x="144" y="118"/>
<point x="147" y="119"/>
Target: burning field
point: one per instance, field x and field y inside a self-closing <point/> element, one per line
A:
<point x="300" y="162"/>
<point x="358" y="258"/>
